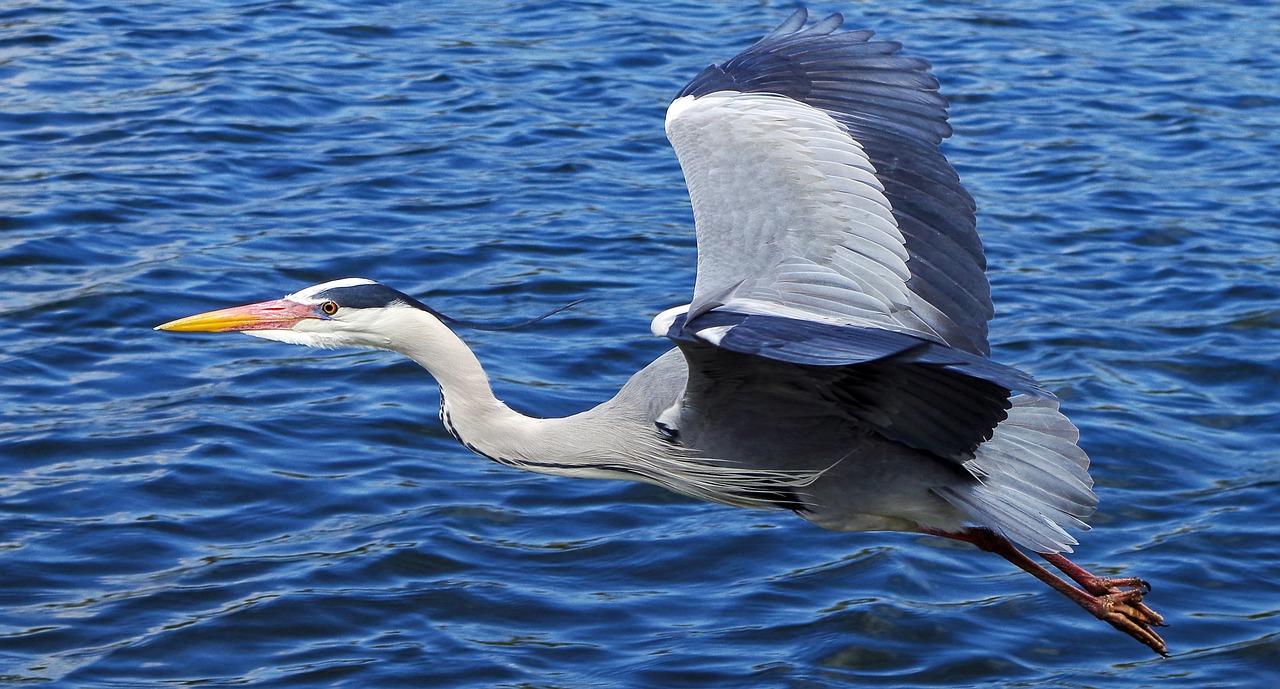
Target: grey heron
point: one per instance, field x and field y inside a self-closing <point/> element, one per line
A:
<point x="833" y="359"/>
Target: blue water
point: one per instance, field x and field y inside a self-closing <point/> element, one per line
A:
<point x="191" y="510"/>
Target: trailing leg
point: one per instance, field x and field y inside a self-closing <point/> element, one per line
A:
<point x="1105" y="598"/>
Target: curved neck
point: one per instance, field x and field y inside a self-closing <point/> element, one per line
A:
<point x="466" y="396"/>
<point x="478" y="419"/>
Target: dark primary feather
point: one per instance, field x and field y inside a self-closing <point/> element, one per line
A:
<point x="890" y="105"/>
<point x="922" y="394"/>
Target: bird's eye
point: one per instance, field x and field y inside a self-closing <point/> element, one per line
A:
<point x="329" y="308"/>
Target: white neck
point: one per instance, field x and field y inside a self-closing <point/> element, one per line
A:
<point x="478" y="419"/>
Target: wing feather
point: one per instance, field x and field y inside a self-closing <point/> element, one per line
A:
<point x="849" y="130"/>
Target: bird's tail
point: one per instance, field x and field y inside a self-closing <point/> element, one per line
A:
<point x="1033" y="480"/>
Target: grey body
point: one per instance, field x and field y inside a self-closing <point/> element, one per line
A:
<point x="845" y="476"/>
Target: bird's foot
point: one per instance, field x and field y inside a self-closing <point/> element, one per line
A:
<point x="1116" y="601"/>
<point x="1124" y="610"/>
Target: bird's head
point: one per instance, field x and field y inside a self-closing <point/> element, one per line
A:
<point x="352" y="312"/>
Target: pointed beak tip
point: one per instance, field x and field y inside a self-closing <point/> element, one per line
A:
<point x="171" y="326"/>
<point x="168" y="325"/>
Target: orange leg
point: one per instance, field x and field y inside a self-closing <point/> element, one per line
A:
<point x="1116" y="601"/>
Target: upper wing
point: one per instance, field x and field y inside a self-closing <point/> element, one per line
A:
<point x="820" y="193"/>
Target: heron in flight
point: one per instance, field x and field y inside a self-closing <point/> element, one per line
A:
<point x="833" y="359"/>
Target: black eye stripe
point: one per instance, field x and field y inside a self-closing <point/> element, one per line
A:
<point x="362" y="296"/>
<point x="368" y="296"/>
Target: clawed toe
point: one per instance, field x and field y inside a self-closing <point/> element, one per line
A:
<point x="1124" y="610"/>
<point x="1131" y="601"/>
<point x="1122" y="621"/>
<point x="1115" y="600"/>
<point x="1101" y="586"/>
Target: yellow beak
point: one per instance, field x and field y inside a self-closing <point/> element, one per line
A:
<point x="280" y="314"/>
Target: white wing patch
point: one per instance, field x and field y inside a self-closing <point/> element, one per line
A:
<point x="788" y="208"/>
<point x="714" y="334"/>
<point x="662" y="322"/>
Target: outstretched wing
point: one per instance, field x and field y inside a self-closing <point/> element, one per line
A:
<point x="840" y="274"/>
<point x="819" y="190"/>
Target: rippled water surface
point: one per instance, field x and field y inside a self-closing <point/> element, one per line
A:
<point x="186" y="510"/>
